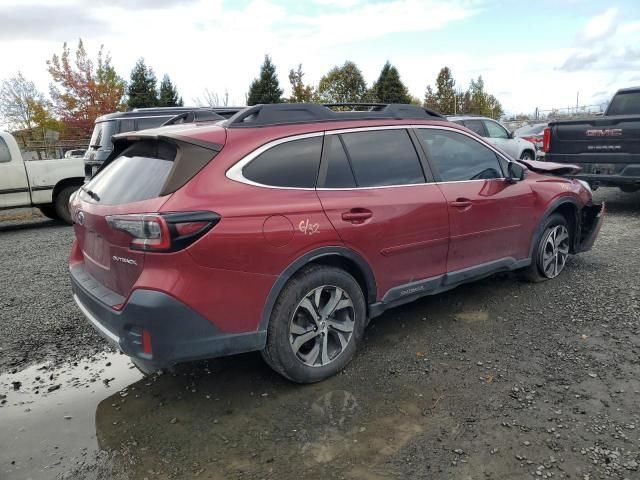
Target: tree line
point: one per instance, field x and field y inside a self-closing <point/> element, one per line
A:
<point x="83" y="88"/>
<point x="346" y="84"/>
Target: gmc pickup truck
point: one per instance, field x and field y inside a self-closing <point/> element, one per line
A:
<point x="46" y="184"/>
<point x="607" y="148"/>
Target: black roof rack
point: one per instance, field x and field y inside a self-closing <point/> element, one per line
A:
<point x="194" y="116"/>
<point x="289" y="113"/>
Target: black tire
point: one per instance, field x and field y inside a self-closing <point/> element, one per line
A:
<point x="535" y="272"/>
<point x="49" y="211"/>
<point x="279" y="352"/>
<point x="61" y="204"/>
<point x="527" y="155"/>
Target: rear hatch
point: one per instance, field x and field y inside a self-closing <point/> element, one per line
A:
<point x="142" y="175"/>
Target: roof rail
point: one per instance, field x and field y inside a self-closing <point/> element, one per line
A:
<point x="288" y="113"/>
<point x="194" y="116"/>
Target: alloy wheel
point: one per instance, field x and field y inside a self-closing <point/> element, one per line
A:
<point x="555" y="251"/>
<point x="322" y="325"/>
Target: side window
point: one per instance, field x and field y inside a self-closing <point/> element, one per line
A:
<point x="335" y="171"/>
<point x="476" y="126"/>
<point x="5" y="154"/>
<point x="495" y="130"/>
<point x="151" y="122"/>
<point x="383" y="157"/>
<point x="459" y="157"/>
<point x="127" y="125"/>
<point x="290" y="164"/>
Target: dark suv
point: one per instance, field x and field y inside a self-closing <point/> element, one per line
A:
<point x="287" y="227"/>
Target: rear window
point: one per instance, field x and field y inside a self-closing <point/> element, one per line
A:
<point x="292" y="164"/>
<point x="5" y="154"/>
<point x="101" y="136"/>
<point x="625" y="104"/>
<point x="140" y="173"/>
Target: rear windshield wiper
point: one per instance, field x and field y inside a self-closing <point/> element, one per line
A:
<point x="92" y="194"/>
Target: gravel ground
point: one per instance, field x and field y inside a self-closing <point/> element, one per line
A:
<point x="497" y="379"/>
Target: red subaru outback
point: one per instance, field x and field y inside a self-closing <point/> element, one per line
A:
<point x="287" y="227"/>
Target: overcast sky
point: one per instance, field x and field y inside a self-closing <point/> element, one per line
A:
<point x="530" y="53"/>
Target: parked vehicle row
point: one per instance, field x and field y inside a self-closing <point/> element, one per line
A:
<point x="607" y="148"/>
<point x="287" y="227"/>
<point x="46" y="184"/>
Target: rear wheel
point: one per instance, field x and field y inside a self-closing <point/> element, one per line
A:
<point x="62" y="204"/>
<point x="551" y="251"/>
<point x="316" y="324"/>
<point x="49" y="211"/>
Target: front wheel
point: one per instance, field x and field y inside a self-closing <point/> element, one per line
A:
<point x="551" y="250"/>
<point x="316" y="324"/>
<point x="527" y="155"/>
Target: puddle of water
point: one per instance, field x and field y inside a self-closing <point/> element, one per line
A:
<point x="48" y="423"/>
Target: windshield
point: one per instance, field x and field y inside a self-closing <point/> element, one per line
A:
<point x="101" y="136"/>
<point x="625" y="104"/>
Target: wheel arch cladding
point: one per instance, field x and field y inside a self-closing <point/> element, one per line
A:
<point x="569" y="208"/>
<point x="340" y="257"/>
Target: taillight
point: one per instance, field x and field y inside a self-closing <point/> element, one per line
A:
<point x="163" y="232"/>
<point x="546" y="139"/>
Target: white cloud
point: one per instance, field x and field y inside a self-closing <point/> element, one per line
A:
<point x="600" y="27"/>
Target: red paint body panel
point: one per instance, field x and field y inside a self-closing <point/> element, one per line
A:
<point x="406" y="239"/>
<point x="497" y="222"/>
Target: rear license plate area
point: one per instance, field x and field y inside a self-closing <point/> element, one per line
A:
<point x="96" y="249"/>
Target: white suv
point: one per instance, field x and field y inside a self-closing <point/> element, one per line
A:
<point x="498" y="135"/>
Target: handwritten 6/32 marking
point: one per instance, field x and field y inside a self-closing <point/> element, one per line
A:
<point x="308" y="228"/>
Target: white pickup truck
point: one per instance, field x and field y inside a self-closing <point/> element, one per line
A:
<point x="46" y="184"/>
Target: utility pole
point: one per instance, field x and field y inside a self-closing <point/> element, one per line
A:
<point x="577" y="100"/>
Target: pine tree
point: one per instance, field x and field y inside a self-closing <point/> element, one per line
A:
<point x="266" y="88"/>
<point x="168" y="94"/>
<point x="389" y="88"/>
<point x="142" y="87"/>
<point x="445" y="92"/>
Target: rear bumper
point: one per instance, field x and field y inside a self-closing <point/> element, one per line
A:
<point x="177" y="333"/>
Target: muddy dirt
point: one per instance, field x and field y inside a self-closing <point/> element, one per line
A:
<point x="494" y="380"/>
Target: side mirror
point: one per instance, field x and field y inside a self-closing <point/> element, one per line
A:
<point x="515" y="172"/>
<point x="511" y="134"/>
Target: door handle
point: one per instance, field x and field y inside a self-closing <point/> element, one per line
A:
<point x="357" y="215"/>
<point x="461" y="203"/>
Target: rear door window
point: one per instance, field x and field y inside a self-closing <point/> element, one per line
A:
<point x="476" y="126"/>
<point x="292" y="164"/>
<point x="127" y="125"/>
<point x="335" y="171"/>
<point x="458" y="157"/>
<point x="383" y="158"/>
